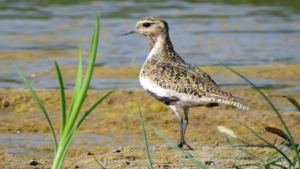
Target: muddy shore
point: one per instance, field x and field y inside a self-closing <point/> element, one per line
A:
<point x="122" y="131"/>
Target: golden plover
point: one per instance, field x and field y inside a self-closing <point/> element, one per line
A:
<point x="169" y="79"/>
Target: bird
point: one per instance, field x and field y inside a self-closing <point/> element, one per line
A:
<point x="174" y="82"/>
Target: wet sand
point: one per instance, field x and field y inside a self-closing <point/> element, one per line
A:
<point x="110" y="126"/>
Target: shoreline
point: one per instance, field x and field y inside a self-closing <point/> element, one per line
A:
<point x="112" y="119"/>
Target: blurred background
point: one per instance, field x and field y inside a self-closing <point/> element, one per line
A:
<point x="238" y="33"/>
<point x="259" y="38"/>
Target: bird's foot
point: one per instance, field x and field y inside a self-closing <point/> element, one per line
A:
<point x="181" y="143"/>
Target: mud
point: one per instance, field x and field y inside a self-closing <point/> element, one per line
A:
<point x="25" y="134"/>
<point x="119" y="129"/>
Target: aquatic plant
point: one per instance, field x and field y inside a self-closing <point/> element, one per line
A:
<point x="273" y="158"/>
<point x="70" y="124"/>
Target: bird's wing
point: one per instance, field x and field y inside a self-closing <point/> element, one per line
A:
<point x="189" y="79"/>
<point x="182" y="78"/>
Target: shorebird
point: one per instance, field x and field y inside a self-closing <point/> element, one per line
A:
<point x="169" y="79"/>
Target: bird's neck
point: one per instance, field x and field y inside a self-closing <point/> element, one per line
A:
<point x="161" y="41"/>
<point x="161" y="48"/>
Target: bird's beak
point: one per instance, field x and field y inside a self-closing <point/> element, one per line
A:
<point x="129" y="32"/>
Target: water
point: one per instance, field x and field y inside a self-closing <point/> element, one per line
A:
<point x="38" y="143"/>
<point x="238" y="33"/>
<point x="246" y="33"/>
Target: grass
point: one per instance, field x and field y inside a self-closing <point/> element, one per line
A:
<point x="145" y="139"/>
<point x="273" y="158"/>
<point x="70" y="124"/>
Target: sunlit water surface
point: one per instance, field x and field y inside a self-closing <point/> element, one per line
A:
<point x="242" y="34"/>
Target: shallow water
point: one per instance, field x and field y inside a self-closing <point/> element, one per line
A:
<point x="247" y="33"/>
<point x="20" y="143"/>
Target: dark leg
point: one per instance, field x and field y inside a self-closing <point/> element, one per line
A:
<point x="186" y="119"/>
<point x="183" y="125"/>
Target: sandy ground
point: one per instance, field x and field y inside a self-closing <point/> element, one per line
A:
<point x="164" y="156"/>
<point x="124" y="147"/>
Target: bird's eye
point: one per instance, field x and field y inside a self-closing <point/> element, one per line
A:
<point x="146" y="24"/>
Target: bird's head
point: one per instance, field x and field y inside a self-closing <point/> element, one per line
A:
<point x="151" y="27"/>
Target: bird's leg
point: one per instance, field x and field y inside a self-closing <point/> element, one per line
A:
<point x="180" y="120"/>
<point x="186" y="119"/>
<point x="183" y="125"/>
<point x="180" y="143"/>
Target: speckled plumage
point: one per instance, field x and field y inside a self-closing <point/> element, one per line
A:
<point x="168" y="78"/>
<point x="167" y="69"/>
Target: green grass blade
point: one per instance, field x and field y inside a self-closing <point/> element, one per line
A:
<point x="271" y="145"/>
<point x="41" y="106"/>
<point x="244" y="141"/>
<point x="274" y="163"/>
<point x="275" y="110"/>
<point x="145" y="139"/>
<point x="62" y="97"/>
<point x="254" y="156"/>
<point x="273" y="156"/>
<point x="294" y="102"/>
<point x="94" y="43"/>
<point x="79" y="100"/>
<point x="71" y="134"/>
<point x="166" y="138"/>
<point x="90" y="109"/>
<point x="66" y="144"/>
<point x="78" y="79"/>
<point x="230" y="142"/>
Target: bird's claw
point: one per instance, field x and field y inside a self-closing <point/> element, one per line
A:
<point x="181" y="143"/>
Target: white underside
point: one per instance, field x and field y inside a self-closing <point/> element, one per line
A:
<point x="185" y="99"/>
